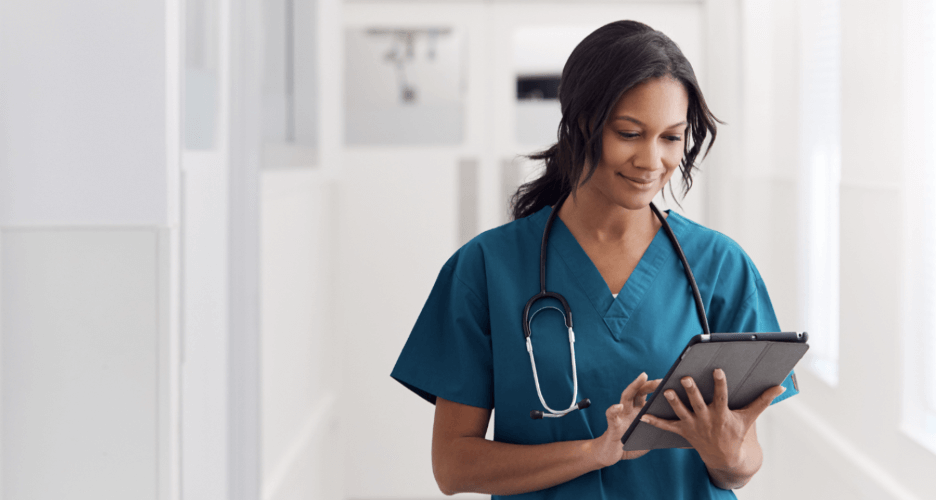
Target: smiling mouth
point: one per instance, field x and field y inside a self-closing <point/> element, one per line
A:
<point x="642" y="182"/>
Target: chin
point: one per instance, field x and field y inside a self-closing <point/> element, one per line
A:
<point x="635" y="202"/>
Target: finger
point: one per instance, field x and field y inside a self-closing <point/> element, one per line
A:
<point x="648" y="387"/>
<point x="615" y="416"/>
<point x="681" y="411"/>
<point x="760" y="404"/>
<point x="659" y="423"/>
<point x="720" y="399"/>
<point x="695" y="396"/>
<point x="651" y="385"/>
<point x="627" y="397"/>
<point x="641" y="399"/>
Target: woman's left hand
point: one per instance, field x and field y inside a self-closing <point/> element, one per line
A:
<point x="715" y="431"/>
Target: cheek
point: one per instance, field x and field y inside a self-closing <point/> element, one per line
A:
<point x="672" y="162"/>
<point x="616" y="152"/>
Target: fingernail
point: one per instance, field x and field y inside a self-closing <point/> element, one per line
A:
<point x="719" y="373"/>
<point x="642" y="374"/>
<point x="687" y="382"/>
<point x="783" y="389"/>
<point x="669" y="394"/>
<point x="645" y="419"/>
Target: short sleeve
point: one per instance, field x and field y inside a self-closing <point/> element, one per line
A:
<point x="448" y="353"/>
<point x="756" y="314"/>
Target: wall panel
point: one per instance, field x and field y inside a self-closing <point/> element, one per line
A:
<point x="80" y="324"/>
<point x="299" y="365"/>
<point x="83" y="132"/>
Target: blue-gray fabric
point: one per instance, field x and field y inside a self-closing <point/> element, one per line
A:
<point x="467" y="345"/>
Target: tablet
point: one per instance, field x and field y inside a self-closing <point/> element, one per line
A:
<point x="752" y="362"/>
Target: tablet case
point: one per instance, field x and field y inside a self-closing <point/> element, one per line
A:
<point x="751" y="367"/>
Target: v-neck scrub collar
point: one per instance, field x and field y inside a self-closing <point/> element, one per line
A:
<point x="615" y="310"/>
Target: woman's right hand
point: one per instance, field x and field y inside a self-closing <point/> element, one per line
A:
<point x="607" y="447"/>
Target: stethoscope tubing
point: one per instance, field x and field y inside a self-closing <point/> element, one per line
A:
<point x="529" y="344"/>
<point x="566" y="311"/>
<point x="700" y="306"/>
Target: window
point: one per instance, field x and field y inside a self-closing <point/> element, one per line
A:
<point x="919" y="339"/>
<point x="820" y="175"/>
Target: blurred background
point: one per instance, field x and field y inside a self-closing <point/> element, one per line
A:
<point x="219" y="220"/>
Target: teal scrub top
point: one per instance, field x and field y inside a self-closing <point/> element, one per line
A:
<point x="467" y="345"/>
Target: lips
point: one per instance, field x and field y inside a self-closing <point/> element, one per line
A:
<point x="638" y="180"/>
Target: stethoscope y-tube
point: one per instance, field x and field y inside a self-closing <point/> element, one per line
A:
<point x="566" y="312"/>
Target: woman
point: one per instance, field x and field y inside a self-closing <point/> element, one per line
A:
<point x="632" y="113"/>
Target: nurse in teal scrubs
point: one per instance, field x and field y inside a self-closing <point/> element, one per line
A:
<point x="632" y="115"/>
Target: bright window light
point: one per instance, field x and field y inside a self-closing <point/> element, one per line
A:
<point x="919" y="339"/>
<point x="926" y="339"/>
<point x="820" y="175"/>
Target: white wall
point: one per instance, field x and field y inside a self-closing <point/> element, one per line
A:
<point x="89" y="137"/>
<point x="85" y="96"/>
<point x="84" y="338"/>
<point x="300" y="361"/>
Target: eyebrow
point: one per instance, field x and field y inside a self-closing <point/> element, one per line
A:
<point x="638" y="122"/>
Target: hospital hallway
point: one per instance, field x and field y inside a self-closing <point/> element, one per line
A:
<point x="220" y="220"/>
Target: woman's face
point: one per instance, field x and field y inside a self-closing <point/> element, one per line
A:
<point x="643" y="142"/>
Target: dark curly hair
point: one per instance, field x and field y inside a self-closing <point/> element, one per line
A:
<point x="606" y="64"/>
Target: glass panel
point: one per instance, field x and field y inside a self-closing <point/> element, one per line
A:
<point x="200" y="113"/>
<point x="929" y="214"/>
<point x="820" y="164"/>
<point x="290" y="87"/>
<point x="404" y="86"/>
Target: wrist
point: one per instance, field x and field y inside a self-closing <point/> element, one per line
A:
<point x="595" y="459"/>
<point x="730" y="471"/>
<point x="726" y="461"/>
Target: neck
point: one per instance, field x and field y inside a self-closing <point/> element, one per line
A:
<point x="598" y="219"/>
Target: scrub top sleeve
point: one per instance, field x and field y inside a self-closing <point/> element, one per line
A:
<point x="756" y="314"/>
<point x="448" y="353"/>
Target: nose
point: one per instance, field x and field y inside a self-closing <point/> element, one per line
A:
<point x="649" y="156"/>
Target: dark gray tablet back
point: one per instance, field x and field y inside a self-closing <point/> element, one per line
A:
<point x="751" y="367"/>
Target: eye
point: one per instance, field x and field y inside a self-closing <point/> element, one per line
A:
<point x="628" y="135"/>
<point x="674" y="138"/>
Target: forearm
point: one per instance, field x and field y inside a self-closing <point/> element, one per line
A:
<point x="736" y="473"/>
<point x="476" y="465"/>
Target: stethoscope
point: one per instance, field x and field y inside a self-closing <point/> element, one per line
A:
<point x="567" y="312"/>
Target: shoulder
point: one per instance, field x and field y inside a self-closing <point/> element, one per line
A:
<point x="715" y="253"/>
<point x="509" y="243"/>
<point x="718" y="263"/>
<point x="737" y="299"/>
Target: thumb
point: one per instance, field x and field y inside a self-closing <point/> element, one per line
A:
<point x="615" y="416"/>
